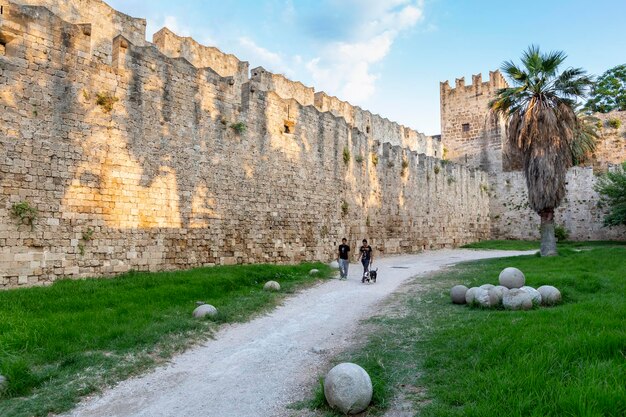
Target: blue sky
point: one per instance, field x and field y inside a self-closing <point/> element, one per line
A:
<point x="388" y="56"/>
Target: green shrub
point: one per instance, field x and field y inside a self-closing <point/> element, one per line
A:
<point x="344" y="208"/>
<point x="374" y="159"/>
<point x="358" y="159"/>
<point x="106" y="101"/>
<point x="25" y="212"/>
<point x="561" y="233"/>
<point x="346" y="155"/>
<point x="614" y="122"/>
<point x="436" y="169"/>
<point x="239" y="127"/>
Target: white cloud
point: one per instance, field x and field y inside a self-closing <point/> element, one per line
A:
<point x="344" y="67"/>
<point x="258" y="55"/>
<point x="170" y="22"/>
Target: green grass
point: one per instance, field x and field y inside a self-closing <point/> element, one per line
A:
<point x="531" y="244"/>
<point x="61" y="342"/>
<point x="451" y="360"/>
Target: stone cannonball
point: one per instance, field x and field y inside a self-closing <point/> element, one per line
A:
<point x="314" y="271"/>
<point x="512" y="278"/>
<point x="470" y="295"/>
<point x="334" y="265"/>
<point x="3" y="383"/>
<point x="457" y="294"/>
<point x="481" y="297"/>
<point x="271" y="286"/>
<point x="496" y="294"/>
<point x="549" y="295"/>
<point x="534" y="294"/>
<point x="205" y="310"/>
<point x="487" y="286"/>
<point x="517" y="299"/>
<point x="348" y="388"/>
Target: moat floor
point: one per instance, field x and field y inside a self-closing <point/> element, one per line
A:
<point x="260" y="367"/>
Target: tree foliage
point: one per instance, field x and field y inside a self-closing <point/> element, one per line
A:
<point x="612" y="189"/>
<point x="609" y="91"/>
<point x="543" y="127"/>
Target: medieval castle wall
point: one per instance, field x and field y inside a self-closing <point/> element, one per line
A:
<point x="482" y="144"/>
<point x="129" y="152"/>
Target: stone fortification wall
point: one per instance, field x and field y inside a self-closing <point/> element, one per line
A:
<point x="579" y="212"/>
<point x="136" y="164"/>
<point x="471" y="134"/>
<point x="99" y="21"/>
<point x="200" y="56"/>
<point x="611" y="147"/>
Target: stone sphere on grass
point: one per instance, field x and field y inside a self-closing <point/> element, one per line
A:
<point x="205" y="310"/>
<point x="271" y="286"/>
<point x="334" y="265"/>
<point x="549" y="295"/>
<point x="517" y="299"/>
<point x="512" y="278"/>
<point x="496" y="294"/>
<point x="314" y="271"/>
<point x="348" y="388"/>
<point x="457" y="294"/>
<point x="3" y="383"/>
<point x="470" y="295"/>
<point x="487" y="286"/>
<point x="534" y="294"/>
<point x="481" y="297"/>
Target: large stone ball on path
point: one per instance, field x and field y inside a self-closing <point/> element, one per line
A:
<point x="487" y="286"/>
<point x="334" y="265"/>
<point x="457" y="294"/>
<point x="549" y="295"/>
<point x="348" y="388"/>
<point x="3" y="383"/>
<point x="512" y="278"/>
<point x="517" y="299"/>
<point x="271" y="286"/>
<point x="314" y="271"/>
<point x="205" y="310"/>
<point x="534" y="294"/>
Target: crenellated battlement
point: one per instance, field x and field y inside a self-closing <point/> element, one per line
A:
<point x="226" y="65"/>
<point x="495" y="82"/>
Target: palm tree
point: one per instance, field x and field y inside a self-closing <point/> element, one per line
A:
<point x="542" y="126"/>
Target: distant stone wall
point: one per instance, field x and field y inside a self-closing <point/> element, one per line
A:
<point x="579" y="213"/>
<point x="471" y="134"/>
<point x="611" y="148"/>
<point x="133" y="162"/>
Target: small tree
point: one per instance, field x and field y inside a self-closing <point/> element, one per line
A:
<point x="612" y="189"/>
<point x="609" y="91"/>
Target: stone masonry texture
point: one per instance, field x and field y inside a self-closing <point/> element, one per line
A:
<point x="169" y="155"/>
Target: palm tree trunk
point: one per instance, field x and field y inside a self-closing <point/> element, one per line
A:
<point x="548" y="240"/>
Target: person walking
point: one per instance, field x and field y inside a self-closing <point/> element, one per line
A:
<point x="366" y="256"/>
<point x="342" y="259"/>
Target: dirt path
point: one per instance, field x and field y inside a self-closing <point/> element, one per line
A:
<point x="257" y="368"/>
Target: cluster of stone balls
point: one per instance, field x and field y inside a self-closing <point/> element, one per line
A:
<point x="511" y="293"/>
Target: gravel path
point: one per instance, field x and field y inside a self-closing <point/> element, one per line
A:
<point x="257" y="368"/>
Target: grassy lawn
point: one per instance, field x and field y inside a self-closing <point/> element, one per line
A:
<point x="450" y="360"/>
<point x="531" y="244"/>
<point x="61" y="342"/>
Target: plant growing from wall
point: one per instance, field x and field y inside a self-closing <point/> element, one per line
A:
<point x="26" y="213"/>
<point x="346" y="155"/>
<point x="436" y="169"/>
<point x="405" y="166"/>
<point x="359" y="159"/>
<point x="615" y="123"/>
<point x="239" y="127"/>
<point x="451" y="180"/>
<point x="106" y="100"/>
<point x="344" y="208"/>
<point x="375" y="159"/>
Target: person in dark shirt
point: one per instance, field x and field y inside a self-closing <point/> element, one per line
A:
<point x="366" y="256"/>
<point x="343" y="255"/>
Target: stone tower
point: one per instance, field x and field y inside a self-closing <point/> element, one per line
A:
<point x="471" y="133"/>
